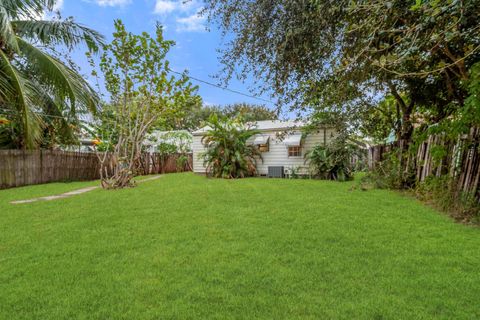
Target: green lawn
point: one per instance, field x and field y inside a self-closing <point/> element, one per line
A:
<point x="187" y="247"/>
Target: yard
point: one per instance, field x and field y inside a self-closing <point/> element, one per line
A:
<point x="187" y="247"/>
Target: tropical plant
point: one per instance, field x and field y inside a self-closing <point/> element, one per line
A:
<point x="228" y="155"/>
<point x="332" y="161"/>
<point x="33" y="80"/>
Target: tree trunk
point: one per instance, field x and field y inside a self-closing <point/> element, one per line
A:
<point x="406" y="127"/>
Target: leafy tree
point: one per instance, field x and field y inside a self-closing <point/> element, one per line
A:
<point x="35" y="81"/>
<point x="141" y="91"/>
<point x="227" y="153"/>
<point x="182" y="116"/>
<point x="193" y="116"/>
<point x="379" y="122"/>
<point x="468" y="115"/>
<point x="249" y="112"/>
<point x="345" y="56"/>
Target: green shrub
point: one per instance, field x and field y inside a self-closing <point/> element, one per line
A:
<point x="394" y="172"/>
<point x="165" y="148"/>
<point x="442" y="193"/>
<point x="181" y="162"/>
<point x="294" y="172"/>
<point x="333" y="161"/>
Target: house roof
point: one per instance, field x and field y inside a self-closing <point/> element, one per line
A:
<point x="265" y="125"/>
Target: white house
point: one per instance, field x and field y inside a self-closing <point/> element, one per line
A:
<point x="282" y="143"/>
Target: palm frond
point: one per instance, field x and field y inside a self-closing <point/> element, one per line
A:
<point x="24" y="8"/>
<point x="6" y="89"/>
<point x="64" y="82"/>
<point x="7" y="34"/>
<point x="23" y="100"/>
<point x="54" y="110"/>
<point x="59" y="32"/>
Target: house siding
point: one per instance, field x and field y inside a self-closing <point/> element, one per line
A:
<point x="277" y="154"/>
<point x="197" y="149"/>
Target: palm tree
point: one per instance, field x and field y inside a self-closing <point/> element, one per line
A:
<point x="32" y="80"/>
<point x="228" y="155"/>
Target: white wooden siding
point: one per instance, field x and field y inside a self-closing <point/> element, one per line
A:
<point x="197" y="149"/>
<point x="277" y="154"/>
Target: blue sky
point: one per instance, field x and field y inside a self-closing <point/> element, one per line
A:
<point x="195" y="50"/>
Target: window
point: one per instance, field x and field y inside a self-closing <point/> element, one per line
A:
<point x="294" y="151"/>
<point x="263" y="147"/>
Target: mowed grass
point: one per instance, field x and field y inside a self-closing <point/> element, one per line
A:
<point x="187" y="247"/>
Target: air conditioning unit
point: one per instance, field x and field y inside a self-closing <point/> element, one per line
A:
<point x="275" y="172"/>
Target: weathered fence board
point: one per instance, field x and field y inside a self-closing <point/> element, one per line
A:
<point x="460" y="161"/>
<point x="26" y="167"/>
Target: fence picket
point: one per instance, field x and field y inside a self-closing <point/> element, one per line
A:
<point x="26" y="167"/>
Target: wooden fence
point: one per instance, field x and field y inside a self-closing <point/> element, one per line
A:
<point x="26" y="167"/>
<point x="459" y="160"/>
<point x="154" y="163"/>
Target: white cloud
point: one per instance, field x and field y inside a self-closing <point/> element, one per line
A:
<point x="169" y="6"/>
<point x="189" y="5"/>
<point x="185" y="13"/>
<point x="163" y="7"/>
<point x="193" y="23"/>
<point x="112" y="3"/>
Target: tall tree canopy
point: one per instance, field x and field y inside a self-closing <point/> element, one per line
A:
<point x="344" y="56"/>
<point x="247" y="112"/>
<point x="33" y="80"/>
<point x="192" y="115"/>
